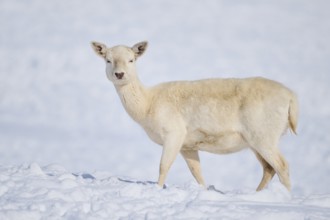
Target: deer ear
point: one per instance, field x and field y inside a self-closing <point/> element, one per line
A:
<point x="99" y="48"/>
<point x="140" y="48"/>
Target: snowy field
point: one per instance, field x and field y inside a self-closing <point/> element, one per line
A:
<point x="68" y="150"/>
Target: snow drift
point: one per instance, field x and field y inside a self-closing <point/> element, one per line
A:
<point x="51" y="192"/>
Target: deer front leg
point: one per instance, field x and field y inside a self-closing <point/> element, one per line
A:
<point x="171" y="147"/>
<point x="192" y="159"/>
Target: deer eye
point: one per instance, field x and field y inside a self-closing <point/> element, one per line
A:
<point x="108" y="61"/>
<point x="131" y="61"/>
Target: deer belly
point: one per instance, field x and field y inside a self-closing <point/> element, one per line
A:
<point x="223" y="143"/>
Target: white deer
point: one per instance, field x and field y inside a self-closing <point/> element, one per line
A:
<point x="216" y="115"/>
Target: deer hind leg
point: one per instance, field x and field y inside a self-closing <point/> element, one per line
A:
<point x="275" y="159"/>
<point x="268" y="172"/>
<point x="192" y="159"/>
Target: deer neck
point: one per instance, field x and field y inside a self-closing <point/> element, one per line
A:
<point x="135" y="99"/>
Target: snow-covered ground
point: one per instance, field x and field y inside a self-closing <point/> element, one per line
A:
<point x="68" y="150"/>
<point x="51" y="192"/>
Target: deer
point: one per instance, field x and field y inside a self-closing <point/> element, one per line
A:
<point x="217" y="115"/>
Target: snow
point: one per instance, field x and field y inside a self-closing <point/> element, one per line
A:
<point x="57" y="107"/>
<point x="51" y="192"/>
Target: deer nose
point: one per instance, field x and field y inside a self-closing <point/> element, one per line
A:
<point x="119" y="75"/>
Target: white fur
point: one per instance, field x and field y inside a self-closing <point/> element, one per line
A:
<point x="215" y="115"/>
